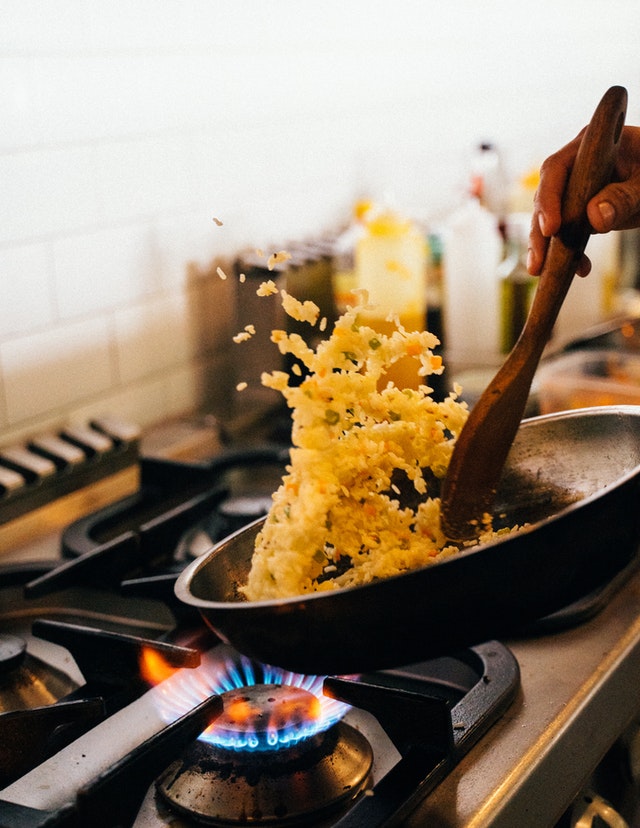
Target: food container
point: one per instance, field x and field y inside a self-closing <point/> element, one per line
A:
<point x="588" y="378"/>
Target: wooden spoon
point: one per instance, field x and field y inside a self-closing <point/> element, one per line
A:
<point x="483" y="444"/>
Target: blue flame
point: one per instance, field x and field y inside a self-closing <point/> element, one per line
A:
<point x="222" y="670"/>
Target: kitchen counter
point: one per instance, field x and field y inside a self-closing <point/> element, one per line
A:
<point x="580" y="690"/>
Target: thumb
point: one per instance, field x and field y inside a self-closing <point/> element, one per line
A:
<point x="616" y="206"/>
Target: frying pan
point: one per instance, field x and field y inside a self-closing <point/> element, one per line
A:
<point x="573" y="477"/>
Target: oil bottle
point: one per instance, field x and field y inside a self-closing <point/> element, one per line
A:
<point x="391" y="265"/>
<point x="517" y="286"/>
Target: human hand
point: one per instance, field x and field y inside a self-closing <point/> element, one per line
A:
<point x="615" y="207"/>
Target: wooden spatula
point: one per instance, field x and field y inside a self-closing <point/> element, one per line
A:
<point x="484" y="442"/>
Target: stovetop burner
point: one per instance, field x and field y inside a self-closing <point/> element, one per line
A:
<point x="26" y="681"/>
<point x="428" y="715"/>
<point x="279" y="785"/>
<point x="277" y="753"/>
<point x="298" y="749"/>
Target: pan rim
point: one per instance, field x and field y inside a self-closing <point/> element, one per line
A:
<point x="188" y="574"/>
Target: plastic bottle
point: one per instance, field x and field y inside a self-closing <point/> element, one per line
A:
<point x="391" y="265"/>
<point x="471" y="302"/>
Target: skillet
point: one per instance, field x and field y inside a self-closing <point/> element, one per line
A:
<point x="572" y="477"/>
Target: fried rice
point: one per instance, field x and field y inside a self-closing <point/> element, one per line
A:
<point x="359" y="499"/>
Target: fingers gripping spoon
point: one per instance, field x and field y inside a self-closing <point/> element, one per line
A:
<point x="484" y="442"/>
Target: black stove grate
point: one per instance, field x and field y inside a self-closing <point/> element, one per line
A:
<point x="113" y="799"/>
<point x="137" y="537"/>
<point x="433" y="713"/>
<point x="110" y="664"/>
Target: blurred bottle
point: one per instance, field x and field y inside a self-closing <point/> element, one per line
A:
<point x="258" y="353"/>
<point x="391" y="265"/>
<point x="344" y="255"/>
<point x="590" y="301"/>
<point x="435" y="283"/>
<point x="309" y="276"/>
<point x="623" y="290"/>
<point x="473" y="249"/>
<point x="517" y="287"/>
<point x="523" y="191"/>
<point x="435" y="289"/>
<point x="489" y="183"/>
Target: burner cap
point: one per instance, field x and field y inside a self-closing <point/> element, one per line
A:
<point x="26" y="681"/>
<point x="263" y="716"/>
<point x="12" y="653"/>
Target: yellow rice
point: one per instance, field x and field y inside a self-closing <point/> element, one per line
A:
<point x="337" y="520"/>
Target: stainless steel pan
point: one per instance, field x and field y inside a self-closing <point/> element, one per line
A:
<point x="574" y="477"/>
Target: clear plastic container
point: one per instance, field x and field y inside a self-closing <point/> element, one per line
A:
<point x="583" y="379"/>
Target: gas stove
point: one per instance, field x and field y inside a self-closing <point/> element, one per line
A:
<point x="120" y="708"/>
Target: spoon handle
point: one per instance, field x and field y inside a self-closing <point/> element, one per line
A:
<point x="592" y="170"/>
<point x="483" y="444"/>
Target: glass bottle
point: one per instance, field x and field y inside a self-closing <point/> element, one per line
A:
<point x="517" y="286"/>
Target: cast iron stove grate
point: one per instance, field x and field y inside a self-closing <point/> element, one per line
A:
<point x="432" y="712"/>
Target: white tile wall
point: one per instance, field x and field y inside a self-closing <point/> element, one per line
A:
<point x="26" y="288"/>
<point x="126" y="127"/>
<point x="44" y="369"/>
